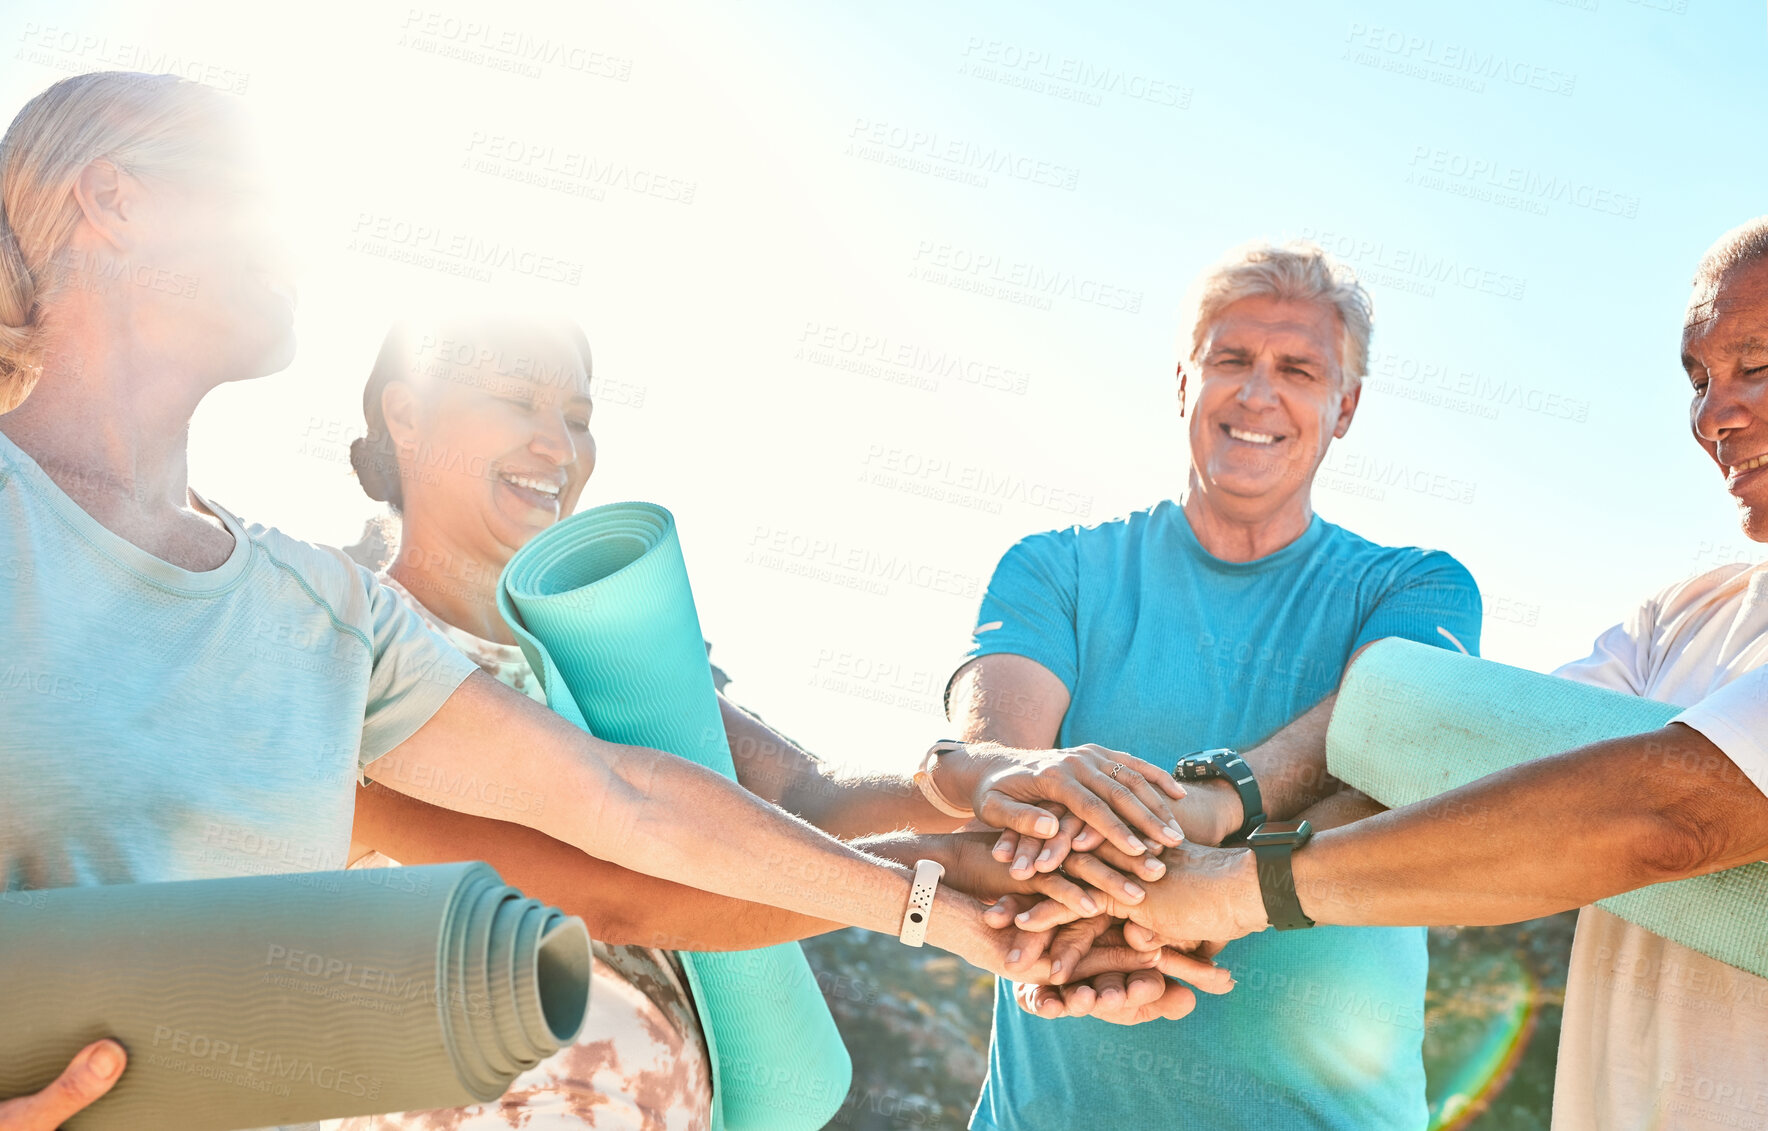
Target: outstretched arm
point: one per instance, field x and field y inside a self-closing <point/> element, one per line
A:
<point x="626" y="908"/>
<point x="491" y="752"/>
<point x="620" y="907"/>
<point x="1542" y="837"/>
<point x="1000" y="781"/>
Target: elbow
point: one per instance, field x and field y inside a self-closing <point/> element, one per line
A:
<point x="1678" y="841"/>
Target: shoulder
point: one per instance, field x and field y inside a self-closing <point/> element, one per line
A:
<point x="1395" y="565"/>
<point x="1704" y="587"/>
<point x="349" y="591"/>
<point x="1117" y="531"/>
<point x="1111" y="537"/>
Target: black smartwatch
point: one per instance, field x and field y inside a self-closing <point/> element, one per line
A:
<point x="1230" y="767"/>
<point x="1272" y="843"/>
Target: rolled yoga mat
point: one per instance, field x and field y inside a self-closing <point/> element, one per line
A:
<point x="601" y="606"/>
<point x="1413" y="721"/>
<point x="287" y="998"/>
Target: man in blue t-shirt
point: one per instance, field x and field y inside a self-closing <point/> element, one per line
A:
<point x="1214" y="622"/>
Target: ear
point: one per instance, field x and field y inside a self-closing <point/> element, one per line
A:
<point x="1347" y="408"/>
<point x="400" y="408"/>
<point x="108" y="200"/>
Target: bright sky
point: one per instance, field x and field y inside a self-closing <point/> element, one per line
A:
<point x="875" y="290"/>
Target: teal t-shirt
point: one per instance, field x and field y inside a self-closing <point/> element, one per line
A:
<point x="1166" y="649"/>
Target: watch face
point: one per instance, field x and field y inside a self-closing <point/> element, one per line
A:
<point x="1280" y="832"/>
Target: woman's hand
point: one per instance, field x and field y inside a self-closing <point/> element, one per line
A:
<point x="1134" y="997"/>
<point x="87" y="1077"/>
<point x="957" y="926"/>
<point x="1102" y="796"/>
<point x="971" y="869"/>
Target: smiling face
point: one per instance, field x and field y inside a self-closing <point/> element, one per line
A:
<point x="494" y="452"/>
<point x="1725" y="354"/>
<point x="1270" y="398"/>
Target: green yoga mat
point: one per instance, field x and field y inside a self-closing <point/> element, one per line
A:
<point x="601" y="606"/>
<point x="260" y="1000"/>
<point x="1414" y="721"/>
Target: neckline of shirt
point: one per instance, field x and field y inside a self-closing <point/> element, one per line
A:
<point x="123" y="553"/>
<point x="1303" y="543"/>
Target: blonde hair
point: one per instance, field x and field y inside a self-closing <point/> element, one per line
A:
<point x="148" y="126"/>
<point x="1297" y="271"/>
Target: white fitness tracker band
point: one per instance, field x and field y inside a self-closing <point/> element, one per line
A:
<point x="930" y="789"/>
<point x="920" y="909"/>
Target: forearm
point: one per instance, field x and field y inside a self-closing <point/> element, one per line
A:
<point x="1546" y="836"/>
<point x="841" y="802"/>
<point x="492" y="753"/>
<point x="1291" y="764"/>
<point x="621" y="907"/>
<point x="847" y="803"/>
<point x="1341" y="808"/>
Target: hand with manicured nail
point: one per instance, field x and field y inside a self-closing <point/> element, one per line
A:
<point x="1135" y="996"/>
<point x="87" y="1077"/>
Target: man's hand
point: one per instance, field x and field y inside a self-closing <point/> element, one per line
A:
<point x="1104" y="793"/>
<point x="1207" y="893"/>
<point x="87" y="1077"/>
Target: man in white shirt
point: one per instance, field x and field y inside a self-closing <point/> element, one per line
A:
<point x="1655" y="1035"/>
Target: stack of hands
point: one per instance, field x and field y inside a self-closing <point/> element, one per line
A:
<point x="1118" y="910"/>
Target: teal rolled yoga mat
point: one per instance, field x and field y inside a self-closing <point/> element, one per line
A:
<point x="1413" y="721"/>
<point x="260" y="1000"/>
<point x="602" y="608"/>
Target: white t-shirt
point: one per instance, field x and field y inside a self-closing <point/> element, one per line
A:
<point x="1657" y="1036"/>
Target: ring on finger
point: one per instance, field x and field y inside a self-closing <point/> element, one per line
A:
<point x="1116" y="766"/>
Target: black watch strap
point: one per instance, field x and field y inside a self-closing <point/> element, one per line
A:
<point x="1276" y="879"/>
<point x="1230" y="767"/>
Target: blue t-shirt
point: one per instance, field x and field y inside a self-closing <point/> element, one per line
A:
<point x="1166" y="649"/>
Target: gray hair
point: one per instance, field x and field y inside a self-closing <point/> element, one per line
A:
<point x="1297" y="271"/>
<point x="1742" y="246"/>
